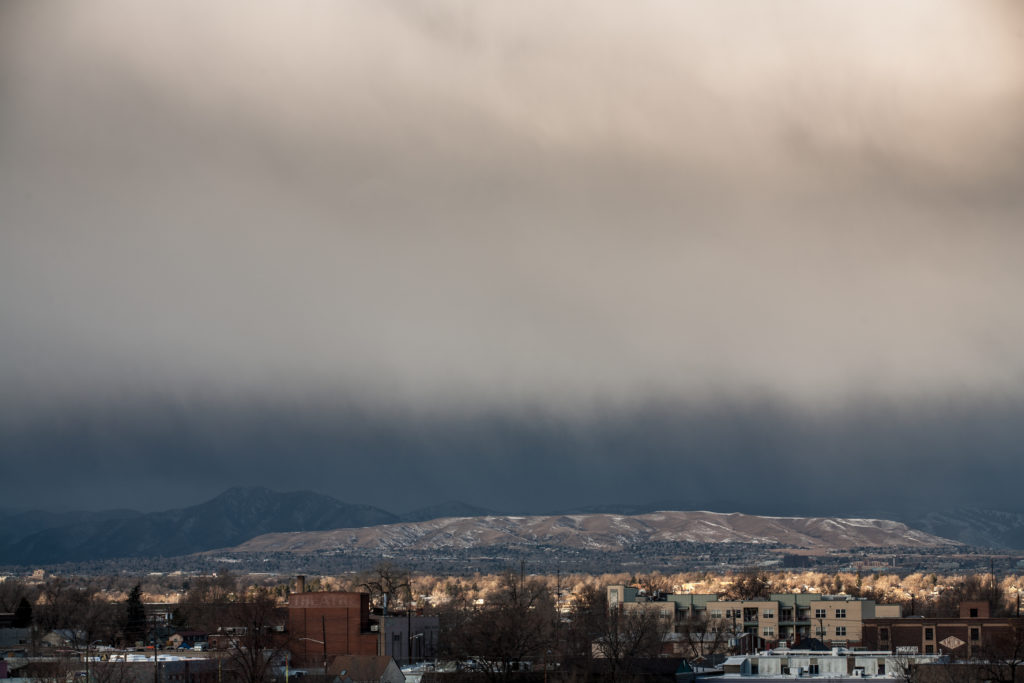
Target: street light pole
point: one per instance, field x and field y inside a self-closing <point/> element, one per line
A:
<point x="321" y="642"/>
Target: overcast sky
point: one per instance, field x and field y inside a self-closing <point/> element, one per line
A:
<point x="529" y="255"/>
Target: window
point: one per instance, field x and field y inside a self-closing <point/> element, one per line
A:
<point x="613" y="595"/>
<point x="929" y="649"/>
<point x="974" y="613"/>
<point x="881" y="668"/>
<point x="716" y="614"/>
<point x="769" y="632"/>
<point x="819" y="631"/>
<point x="841" y="613"/>
<point x="840" y="630"/>
<point x="883" y="635"/>
<point x="768" y="614"/>
<point x="814" y="669"/>
<point x="975" y="634"/>
<point x="819" y="614"/>
<point x="929" y="634"/>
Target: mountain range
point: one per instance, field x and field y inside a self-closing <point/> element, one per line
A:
<point x="233" y="517"/>
<point x="602" y="532"/>
<point x="240" y="515"/>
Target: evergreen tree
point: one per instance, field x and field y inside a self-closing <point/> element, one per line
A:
<point x="134" y="627"/>
<point x="23" y="614"/>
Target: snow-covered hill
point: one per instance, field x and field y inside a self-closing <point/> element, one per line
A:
<point x="604" y="532"/>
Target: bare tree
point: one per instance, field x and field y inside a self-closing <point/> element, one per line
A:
<point x="706" y="639"/>
<point x="653" y="584"/>
<point x="904" y="666"/>
<point x="254" y="627"/>
<point x="587" y="623"/>
<point x="514" y="626"/>
<point x="628" y="634"/>
<point x="13" y="591"/>
<point x="76" y="610"/>
<point x="973" y="587"/>
<point x="206" y="603"/>
<point x="1001" y="657"/>
<point x="57" y="669"/>
<point x="387" y="579"/>
<point x="751" y="584"/>
<point x="112" y="671"/>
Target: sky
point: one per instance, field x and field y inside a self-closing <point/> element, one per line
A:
<point x="763" y="256"/>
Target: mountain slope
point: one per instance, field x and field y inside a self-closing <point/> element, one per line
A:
<point x="232" y="517"/>
<point x="17" y="525"/>
<point x="974" y="526"/>
<point x="604" y="531"/>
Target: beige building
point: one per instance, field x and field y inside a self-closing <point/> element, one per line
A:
<point x="837" y="620"/>
<point x="673" y="607"/>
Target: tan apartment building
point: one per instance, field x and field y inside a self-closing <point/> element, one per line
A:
<point x="837" y="620"/>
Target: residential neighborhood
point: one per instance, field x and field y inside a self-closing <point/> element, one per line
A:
<point x="519" y="630"/>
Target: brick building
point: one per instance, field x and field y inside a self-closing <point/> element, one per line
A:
<point x="971" y="634"/>
<point x="324" y="625"/>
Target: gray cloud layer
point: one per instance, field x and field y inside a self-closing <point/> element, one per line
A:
<point x="464" y="208"/>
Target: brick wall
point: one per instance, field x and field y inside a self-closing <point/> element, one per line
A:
<point x="340" y="620"/>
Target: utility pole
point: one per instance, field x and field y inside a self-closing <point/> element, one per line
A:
<point x="156" y="653"/>
<point x="383" y="627"/>
<point x="323" y="637"/>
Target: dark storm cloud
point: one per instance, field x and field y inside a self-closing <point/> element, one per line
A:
<point x="429" y="214"/>
<point x="756" y="458"/>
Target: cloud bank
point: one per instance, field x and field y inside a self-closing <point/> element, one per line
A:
<point x="465" y="209"/>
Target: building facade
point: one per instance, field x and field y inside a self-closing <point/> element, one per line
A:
<point x="782" y="618"/>
<point x="410" y="638"/>
<point x="324" y="625"/>
<point x="973" y="633"/>
<point x="837" y="663"/>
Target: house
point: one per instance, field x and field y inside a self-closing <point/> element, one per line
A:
<point x="64" y="638"/>
<point x="364" y="669"/>
<point x="187" y="639"/>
